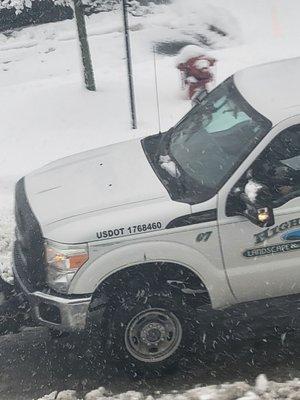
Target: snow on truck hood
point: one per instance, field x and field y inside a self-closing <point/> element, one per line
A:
<point x="96" y="180"/>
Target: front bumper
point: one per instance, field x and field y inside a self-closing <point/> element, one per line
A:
<point x="61" y="313"/>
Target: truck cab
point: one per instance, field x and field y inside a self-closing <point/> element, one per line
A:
<point x="134" y="236"/>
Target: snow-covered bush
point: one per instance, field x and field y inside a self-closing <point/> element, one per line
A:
<point x="137" y="7"/>
<point x="95" y="6"/>
<point x="41" y="12"/>
<point x="20" y="5"/>
<point x="19" y="13"/>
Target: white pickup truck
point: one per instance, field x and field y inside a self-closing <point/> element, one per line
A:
<point x="130" y="238"/>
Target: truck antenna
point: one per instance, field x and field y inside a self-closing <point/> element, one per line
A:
<point x="156" y="89"/>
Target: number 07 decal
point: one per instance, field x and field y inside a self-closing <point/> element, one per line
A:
<point x="203" y="237"/>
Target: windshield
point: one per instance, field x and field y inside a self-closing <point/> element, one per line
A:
<point x="216" y="136"/>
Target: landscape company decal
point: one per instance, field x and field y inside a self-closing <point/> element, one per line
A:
<point x="292" y="236"/>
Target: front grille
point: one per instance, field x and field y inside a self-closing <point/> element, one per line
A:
<point x="29" y="246"/>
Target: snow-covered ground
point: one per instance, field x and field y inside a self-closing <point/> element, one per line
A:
<point x="45" y="113"/>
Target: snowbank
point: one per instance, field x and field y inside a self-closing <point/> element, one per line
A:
<point x="262" y="389"/>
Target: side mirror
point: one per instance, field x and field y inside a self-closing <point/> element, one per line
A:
<point x="256" y="200"/>
<point x="260" y="216"/>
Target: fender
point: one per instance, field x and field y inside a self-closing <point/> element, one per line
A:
<point x="88" y="278"/>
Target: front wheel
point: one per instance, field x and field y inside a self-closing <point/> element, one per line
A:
<point x="148" y="334"/>
<point x="153" y="335"/>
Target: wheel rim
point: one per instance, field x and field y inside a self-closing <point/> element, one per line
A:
<point x="153" y="335"/>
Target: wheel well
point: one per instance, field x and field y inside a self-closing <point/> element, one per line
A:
<point x="179" y="280"/>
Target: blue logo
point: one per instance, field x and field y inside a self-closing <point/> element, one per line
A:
<point x="292" y="235"/>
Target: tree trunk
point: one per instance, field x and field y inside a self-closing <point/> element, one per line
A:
<point x="84" y="46"/>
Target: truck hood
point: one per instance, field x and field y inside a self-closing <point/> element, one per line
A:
<point x="101" y="179"/>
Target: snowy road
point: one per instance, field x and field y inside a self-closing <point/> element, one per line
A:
<point x="32" y="364"/>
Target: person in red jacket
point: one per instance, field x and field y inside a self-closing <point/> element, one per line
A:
<point x="197" y="74"/>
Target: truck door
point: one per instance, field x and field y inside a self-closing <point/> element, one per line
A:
<point x="264" y="262"/>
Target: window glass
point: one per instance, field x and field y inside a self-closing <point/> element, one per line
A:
<point x="224" y="119"/>
<point x="216" y="136"/>
<point x="279" y="166"/>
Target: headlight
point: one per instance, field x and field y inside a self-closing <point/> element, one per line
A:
<point x="66" y="258"/>
<point x="62" y="263"/>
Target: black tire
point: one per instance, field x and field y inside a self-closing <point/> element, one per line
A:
<point x="147" y="334"/>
